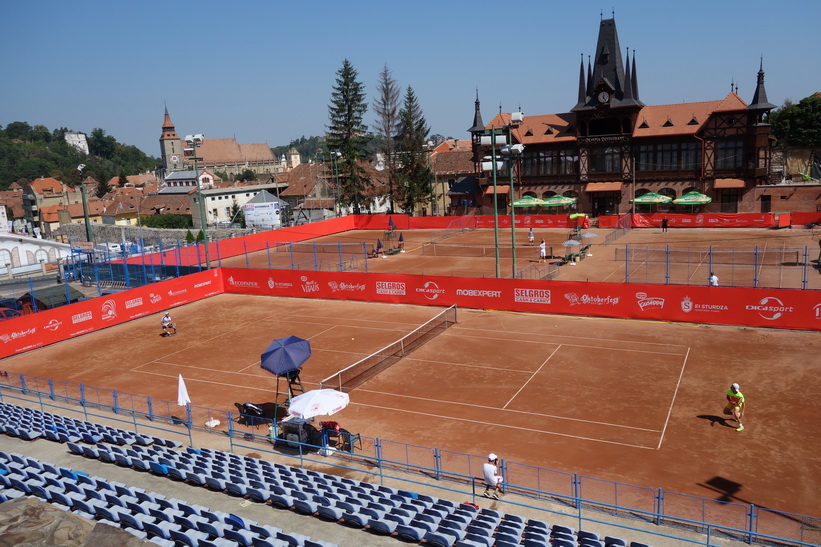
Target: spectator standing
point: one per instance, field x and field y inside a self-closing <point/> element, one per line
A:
<point x="712" y="280"/>
<point x="664" y="224"/>
<point x="542" y="251"/>
<point x="530" y="237"/>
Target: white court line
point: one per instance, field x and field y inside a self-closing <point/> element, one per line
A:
<point x="507" y="426"/>
<point x="673" y="401"/>
<point x="535" y="372"/>
<point x="455" y="331"/>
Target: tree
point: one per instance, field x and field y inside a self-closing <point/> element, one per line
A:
<point x="347" y="134"/>
<point x="101" y="144"/>
<point x="168" y="221"/>
<point x="103" y="187"/>
<point x="386" y="106"/>
<point x="122" y="182"/>
<point x="18" y="131"/>
<point x="414" y="174"/>
<point x="237" y="214"/>
<point x="200" y="236"/>
<point x="189" y="237"/>
<point x="798" y="124"/>
<point x="246" y="174"/>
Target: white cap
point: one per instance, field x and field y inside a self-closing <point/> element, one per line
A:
<point x="735" y="387"/>
<point x="492" y="456"/>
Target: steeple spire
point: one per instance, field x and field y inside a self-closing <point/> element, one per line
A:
<point x="759" y="101"/>
<point x="582" y="85"/>
<point x="478" y="126"/>
<point x="635" y="81"/>
<point x="628" y="84"/>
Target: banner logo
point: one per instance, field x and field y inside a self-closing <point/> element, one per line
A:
<point x="53" y="325"/>
<point x="109" y="310"/>
<point x="155" y="298"/>
<point x="649" y="302"/>
<point x="351" y="287"/>
<point x="482" y="293"/>
<point x="817" y="310"/>
<point x="770" y="308"/>
<point x="278" y="285"/>
<point x="590" y="299"/>
<point x="532" y="296"/>
<point x="308" y="285"/>
<point x="687" y="305"/>
<point x="235" y="283"/>
<point x="390" y="287"/>
<point x="80" y="317"/>
<point x="431" y="290"/>
<point x="133" y="303"/>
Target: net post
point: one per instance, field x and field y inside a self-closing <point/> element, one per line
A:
<point x="806" y="267"/>
<point x="755" y="270"/>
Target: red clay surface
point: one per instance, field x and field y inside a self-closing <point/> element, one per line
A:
<point x="629" y="401"/>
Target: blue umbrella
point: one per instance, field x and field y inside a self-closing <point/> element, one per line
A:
<point x="285" y="355"/>
<point x="401" y="238"/>
<point x="378" y="244"/>
<point x="390" y="221"/>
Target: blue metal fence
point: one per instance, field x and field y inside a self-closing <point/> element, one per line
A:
<point x="452" y="471"/>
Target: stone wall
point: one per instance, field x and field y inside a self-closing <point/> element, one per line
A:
<point x="132" y="234"/>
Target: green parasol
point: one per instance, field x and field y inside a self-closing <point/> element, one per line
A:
<point x="528" y="201"/>
<point x="558" y="201"/>
<point x="693" y="198"/>
<point x="652" y="197"/>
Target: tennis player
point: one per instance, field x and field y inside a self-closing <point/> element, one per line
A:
<point x="735" y="405"/>
<point x="542" y="251"/>
<point x="168" y="325"/>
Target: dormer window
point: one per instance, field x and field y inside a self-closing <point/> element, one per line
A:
<point x="693" y="121"/>
<point x="668" y="123"/>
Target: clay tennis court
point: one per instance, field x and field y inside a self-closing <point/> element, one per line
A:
<point x="777" y="254"/>
<point x="629" y="401"/>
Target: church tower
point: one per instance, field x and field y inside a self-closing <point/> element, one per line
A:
<point x="170" y="146"/>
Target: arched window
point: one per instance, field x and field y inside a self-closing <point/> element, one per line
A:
<point x="548" y="194"/>
<point x="641" y="191"/>
<point x="669" y="192"/>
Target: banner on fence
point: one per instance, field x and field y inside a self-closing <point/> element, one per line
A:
<point x="696" y="220"/>
<point x="782" y="308"/>
<point x="64" y="322"/>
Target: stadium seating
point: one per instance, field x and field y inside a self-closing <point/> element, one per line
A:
<point x="361" y="505"/>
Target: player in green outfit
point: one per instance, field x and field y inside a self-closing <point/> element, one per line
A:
<point x="735" y="405"/>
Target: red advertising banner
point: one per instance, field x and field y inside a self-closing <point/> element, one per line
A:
<point x="802" y="219"/>
<point x="697" y="220"/>
<point x="782" y="308"/>
<point x="528" y="221"/>
<point x="58" y="324"/>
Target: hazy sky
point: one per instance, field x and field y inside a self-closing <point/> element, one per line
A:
<point x="263" y="70"/>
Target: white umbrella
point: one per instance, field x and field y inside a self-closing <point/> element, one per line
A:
<point x="588" y="235"/>
<point x="182" y="393"/>
<point x="318" y="402"/>
<point x="570" y="243"/>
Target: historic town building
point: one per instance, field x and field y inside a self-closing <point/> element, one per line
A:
<point x="611" y="147"/>
<point x="218" y="155"/>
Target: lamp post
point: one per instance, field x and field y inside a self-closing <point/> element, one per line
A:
<point x="511" y="151"/>
<point x="494" y="138"/>
<point x="194" y="141"/>
<point x="89" y="232"/>
<point x="334" y="156"/>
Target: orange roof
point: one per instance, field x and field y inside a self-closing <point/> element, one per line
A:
<point x="453" y="162"/>
<point x="135" y="180"/>
<point x="215" y="151"/>
<point x="47" y="186"/>
<point x="683" y="118"/>
<point x="49" y="213"/>
<point x="540" y="129"/>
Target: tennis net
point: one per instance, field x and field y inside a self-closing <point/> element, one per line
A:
<point x="505" y="251"/>
<point x="716" y="255"/>
<point x="355" y="375"/>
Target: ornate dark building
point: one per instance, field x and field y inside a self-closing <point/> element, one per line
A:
<point x="611" y="147"/>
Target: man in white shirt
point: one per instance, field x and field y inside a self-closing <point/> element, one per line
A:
<point x="713" y="280"/>
<point x="168" y="325"/>
<point x="493" y="480"/>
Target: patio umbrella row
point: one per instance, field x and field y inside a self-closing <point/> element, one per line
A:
<point x="690" y="198"/>
<point x="552" y="201"/>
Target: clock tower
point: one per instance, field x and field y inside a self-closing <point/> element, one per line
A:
<point x="170" y="146"/>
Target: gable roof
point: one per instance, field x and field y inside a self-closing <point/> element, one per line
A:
<point x="168" y="204"/>
<point x="47" y="186"/>
<point x="452" y="162"/>
<point x="683" y="118"/>
<point x="229" y="151"/>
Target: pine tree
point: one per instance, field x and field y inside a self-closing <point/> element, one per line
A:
<point x="414" y="177"/>
<point x="386" y="107"/>
<point x="347" y="134"/>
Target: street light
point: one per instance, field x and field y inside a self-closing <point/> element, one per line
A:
<point x="513" y="151"/>
<point x="89" y="233"/>
<point x="194" y="141"/>
<point x="493" y="139"/>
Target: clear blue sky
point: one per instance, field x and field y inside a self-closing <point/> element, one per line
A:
<point x="263" y="70"/>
